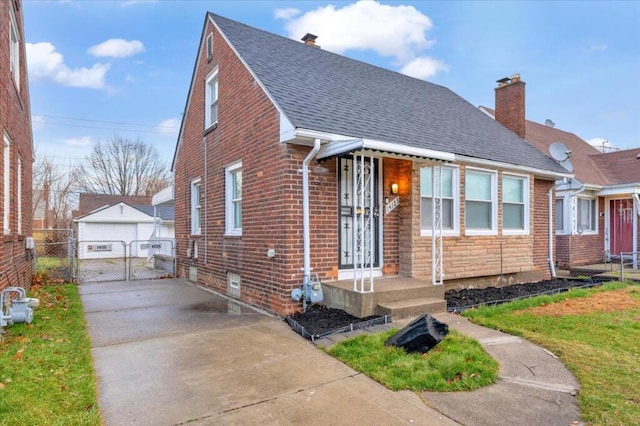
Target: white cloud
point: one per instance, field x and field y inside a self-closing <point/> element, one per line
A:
<point x="79" y="141"/>
<point x="45" y="63"/>
<point x="116" y="48"/>
<point x="129" y="78"/>
<point x="424" y="67"/>
<point x="169" y="127"/>
<point x="599" y="47"/>
<point x="286" y="13"/>
<point x="133" y="2"/>
<point x="37" y="122"/>
<point x="395" y="31"/>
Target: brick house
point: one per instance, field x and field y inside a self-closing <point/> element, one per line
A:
<point x="17" y="153"/>
<point x="597" y="212"/>
<point x="293" y="163"/>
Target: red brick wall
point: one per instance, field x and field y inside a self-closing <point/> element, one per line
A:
<point x="15" y="121"/>
<point x="248" y="131"/>
<point x="585" y="249"/>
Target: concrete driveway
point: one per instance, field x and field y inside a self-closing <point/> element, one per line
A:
<point x="167" y="352"/>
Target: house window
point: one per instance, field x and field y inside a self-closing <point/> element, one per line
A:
<point x="560" y="215"/>
<point x="587" y="214"/>
<point x="196" y="210"/>
<point x="480" y="202"/>
<point x="210" y="46"/>
<point x="450" y="200"/>
<point x="19" y="197"/>
<point x="14" y="48"/>
<point x="7" y="183"/>
<point x="515" y="204"/>
<point x="211" y="100"/>
<point x="233" y="199"/>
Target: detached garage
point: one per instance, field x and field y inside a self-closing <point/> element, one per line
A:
<point x="102" y="231"/>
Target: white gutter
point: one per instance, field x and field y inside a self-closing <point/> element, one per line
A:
<point x="306" y="238"/>
<point x="533" y="170"/>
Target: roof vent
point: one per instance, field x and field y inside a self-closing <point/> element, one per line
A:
<point x="549" y="123"/>
<point x="310" y="39"/>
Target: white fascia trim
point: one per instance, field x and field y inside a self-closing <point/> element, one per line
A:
<point x="525" y="169"/>
<point x="408" y="150"/>
<point x="619" y="190"/>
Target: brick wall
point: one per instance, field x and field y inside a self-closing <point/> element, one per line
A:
<point x="477" y="261"/>
<point x="510" y="105"/>
<point x="248" y="131"/>
<point x="15" y="121"/>
<point x="585" y="249"/>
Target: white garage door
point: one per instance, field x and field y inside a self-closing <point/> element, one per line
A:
<point x="126" y="232"/>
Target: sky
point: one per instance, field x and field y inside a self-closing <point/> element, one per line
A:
<point x="105" y="69"/>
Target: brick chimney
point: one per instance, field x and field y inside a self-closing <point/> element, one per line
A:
<point x="510" y="104"/>
<point x="310" y="39"/>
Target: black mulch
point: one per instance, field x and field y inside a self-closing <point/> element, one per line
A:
<point x="319" y="320"/>
<point x="459" y="300"/>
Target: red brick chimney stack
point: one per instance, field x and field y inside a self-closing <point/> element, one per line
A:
<point x="510" y="104"/>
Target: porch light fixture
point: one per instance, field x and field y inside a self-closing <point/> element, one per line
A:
<point x="394" y="188"/>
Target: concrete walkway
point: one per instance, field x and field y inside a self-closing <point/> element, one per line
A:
<point x="534" y="387"/>
<point x="167" y="353"/>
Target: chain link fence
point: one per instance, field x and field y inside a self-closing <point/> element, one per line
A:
<point x="55" y="253"/>
<point x="102" y="261"/>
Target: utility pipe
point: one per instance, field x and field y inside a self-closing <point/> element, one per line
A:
<point x="306" y="239"/>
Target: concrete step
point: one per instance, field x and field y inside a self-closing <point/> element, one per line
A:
<point x="412" y="307"/>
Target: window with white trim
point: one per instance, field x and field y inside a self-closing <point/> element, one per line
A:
<point x="209" y="46"/>
<point x="211" y="100"/>
<point x="7" y="183"/>
<point x="480" y="202"/>
<point x="196" y="207"/>
<point x="515" y="204"/>
<point x="450" y="199"/>
<point x="587" y="214"/>
<point x="233" y="199"/>
<point x="14" y="47"/>
<point x="19" y="197"/>
<point x="560" y="215"/>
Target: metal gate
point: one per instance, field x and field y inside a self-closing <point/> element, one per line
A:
<point x="100" y="261"/>
<point x="151" y="259"/>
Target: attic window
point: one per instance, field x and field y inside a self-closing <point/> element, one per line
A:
<point x="210" y="47"/>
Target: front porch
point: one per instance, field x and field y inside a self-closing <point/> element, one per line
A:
<point x="398" y="296"/>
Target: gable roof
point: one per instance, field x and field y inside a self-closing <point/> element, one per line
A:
<point x="87" y="203"/>
<point x="590" y="165"/>
<point x="620" y="167"/>
<point x="321" y="91"/>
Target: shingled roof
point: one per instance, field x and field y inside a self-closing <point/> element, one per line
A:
<point x="322" y="91"/>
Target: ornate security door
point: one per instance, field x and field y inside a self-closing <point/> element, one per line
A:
<point x="358" y="212"/>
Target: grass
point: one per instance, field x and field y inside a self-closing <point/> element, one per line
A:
<point x="46" y="373"/>
<point x="601" y="347"/>
<point x="47" y="263"/>
<point x="456" y="363"/>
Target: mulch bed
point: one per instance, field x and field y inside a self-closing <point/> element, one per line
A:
<point x="319" y="319"/>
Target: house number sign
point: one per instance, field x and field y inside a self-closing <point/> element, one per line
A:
<point x="391" y="205"/>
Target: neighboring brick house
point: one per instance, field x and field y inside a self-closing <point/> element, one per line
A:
<point x="293" y="161"/>
<point x="597" y="213"/>
<point x="17" y="153"/>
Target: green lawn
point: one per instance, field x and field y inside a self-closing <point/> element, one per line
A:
<point x="456" y="363"/>
<point x="598" y="338"/>
<point x="46" y="373"/>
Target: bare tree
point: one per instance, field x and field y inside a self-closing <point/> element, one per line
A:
<point x="54" y="194"/>
<point x="124" y="167"/>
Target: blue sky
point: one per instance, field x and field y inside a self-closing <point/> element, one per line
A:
<point x="98" y="69"/>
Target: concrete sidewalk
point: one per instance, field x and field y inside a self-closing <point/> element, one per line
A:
<point x="534" y="387"/>
<point x="166" y="353"/>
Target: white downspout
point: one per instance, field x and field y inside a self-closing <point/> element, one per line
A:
<point x="552" y="266"/>
<point x="306" y="238"/>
